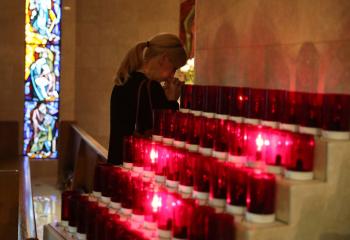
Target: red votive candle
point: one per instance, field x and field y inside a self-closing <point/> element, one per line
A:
<point x="272" y="108"/>
<point x="336" y="116"/>
<point x="91" y="219"/>
<point x="221" y="227"/>
<point x="182" y="218"/>
<point x="114" y="186"/>
<point x="99" y="178"/>
<point x="300" y="165"/>
<point x="181" y="128"/>
<point x="173" y="168"/>
<point x="152" y="204"/>
<point x="111" y="226"/>
<point x="261" y="191"/>
<point x="127" y="197"/>
<point x="210" y="101"/>
<point x="221" y="139"/>
<point x="73" y="202"/>
<point x="65" y="208"/>
<point x="128" y="156"/>
<point x="310" y="120"/>
<point x="239" y="104"/>
<point x="275" y="152"/>
<point x="139" y="153"/>
<point x="186" y="98"/>
<point x="256" y="105"/>
<point x="105" y="191"/>
<point x="224" y="98"/>
<point x="207" y="133"/>
<point x="169" y="127"/>
<point x="139" y="189"/>
<point x="200" y="222"/>
<point x="290" y="111"/>
<point x="236" y="188"/>
<point x="218" y="186"/>
<point x="257" y="144"/>
<point x="161" y="163"/>
<point x="186" y="174"/>
<point x="101" y="219"/>
<point x="197" y="99"/>
<point x="82" y="213"/>
<point x="149" y="159"/>
<point x="237" y="146"/>
<point x="158" y="125"/>
<point x="193" y="133"/>
<point x="201" y="177"/>
<point x="167" y="204"/>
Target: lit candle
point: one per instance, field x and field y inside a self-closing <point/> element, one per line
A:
<point x="238" y="106"/>
<point x="237" y="146"/>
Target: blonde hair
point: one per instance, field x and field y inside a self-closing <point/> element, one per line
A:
<point x="144" y="51"/>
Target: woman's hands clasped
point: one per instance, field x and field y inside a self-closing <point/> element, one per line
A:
<point x="172" y="89"/>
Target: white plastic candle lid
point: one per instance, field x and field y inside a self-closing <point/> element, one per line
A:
<point x="295" y="175"/>
<point x="259" y="218"/>
<point x="236" y="119"/>
<point x="236" y="210"/>
<point x="271" y="124"/>
<point x="335" y="135"/>
<point x="157" y="138"/>
<point x="288" y="127"/>
<point x="221" y="116"/>
<point x="252" y="121"/>
<point x="192" y="147"/>
<point x="220" y="155"/>
<point x="309" y="130"/>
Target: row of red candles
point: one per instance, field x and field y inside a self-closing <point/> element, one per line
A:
<point x="228" y="140"/>
<point x="325" y="111"/>
<point x="144" y="212"/>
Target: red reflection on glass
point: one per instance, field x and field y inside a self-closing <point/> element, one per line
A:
<point x="161" y="162"/>
<point x="207" y="132"/>
<point x="221" y="226"/>
<point x="238" y="141"/>
<point x="261" y="191"/>
<point x="139" y="191"/>
<point x="239" y="104"/>
<point x="311" y="110"/>
<point x="187" y="169"/>
<point x="186" y="97"/>
<point x="302" y="154"/>
<point x="200" y="222"/>
<point x="256" y="103"/>
<point x="236" y="185"/>
<point x="194" y="128"/>
<point x="166" y="211"/>
<point x="202" y="165"/>
<point x="221" y="138"/>
<point x="182" y="218"/>
<point x="218" y="185"/>
<point x="181" y="126"/>
<point x="173" y="167"/>
<point x="336" y="112"/>
<point x="274" y="102"/>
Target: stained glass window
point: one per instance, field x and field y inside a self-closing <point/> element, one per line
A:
<point x="42" y="77"/>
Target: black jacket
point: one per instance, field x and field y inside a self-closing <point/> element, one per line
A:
<point x="123" y="111"/>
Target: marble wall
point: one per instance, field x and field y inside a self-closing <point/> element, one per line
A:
<point x="297" y="45"/>
<point x="105" y="31"/>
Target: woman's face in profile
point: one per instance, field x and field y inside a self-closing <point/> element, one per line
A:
<point x="166" y="69"/>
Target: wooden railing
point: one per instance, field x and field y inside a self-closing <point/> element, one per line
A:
<point x="79" y="153"/>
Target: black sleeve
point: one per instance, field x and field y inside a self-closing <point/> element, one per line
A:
<point x="159" y="100"/>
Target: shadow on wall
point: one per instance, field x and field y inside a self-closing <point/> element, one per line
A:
<point x="221" y="64"/>
<point x="307" y="68"/>
<point x="264" y="64"/>
<point x="334" y="236"/>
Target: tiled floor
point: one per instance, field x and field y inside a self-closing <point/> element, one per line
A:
<point x="47" y="203"/>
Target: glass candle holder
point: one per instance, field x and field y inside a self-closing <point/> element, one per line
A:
<point x="152" y="204"/>
<point x="218" y="185"/>
<point x="237" y="146"/>
<point x="261" y="191"/>
<point x="272" y="107"/>
<point x="300" y="165"/>
<point x="186" y="98"/>
<point x="105" y="171"/>
<point x="238" y="107"/>
<point x="200" y="222"/>
<point x="182" y="218"/>
<point x="150" y="159"/>
<point x="201" y="177"/>
<point x="99" y="179"/>
<point x="101" y="218"/>
<point x="221" y="226"/>
<point x="275" y="152"/>
<point x="83" y="204"/>
<point x="224" y="97"/>
<point x="169" y="127"/>
<point x="65" y="208"/>
<point x="210" y="101"/>
<point x="127" y="197"/>
<point x="128" y="156"/>
<point x="173" y="168"/>
<point x="256" y="106"/>
<point x="221" y="139"/>
<point x="158" y="125"/>
<point x="91" y="219"/>
<point x="111" y="226"/>
<point x="257" y="144"/>
<point x="161" y="163"/>
<point x="138" y="153"/>
<point x="139" y="191"/>
<point x="114" y="184"/>
<point x="236" y="188"/>
<point x="336" y="116"/>
<point x="165" y="214"/>
<point x="310" y="113"/>
<point x="181" y="128"/>
<point x="197" y="99"/>
<point x="207" y="133"/>
<point x="290" y="113"/>
<point x="186" y="174"/>
<point x="193" y="133"/>
<point x="73" y="202"/>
